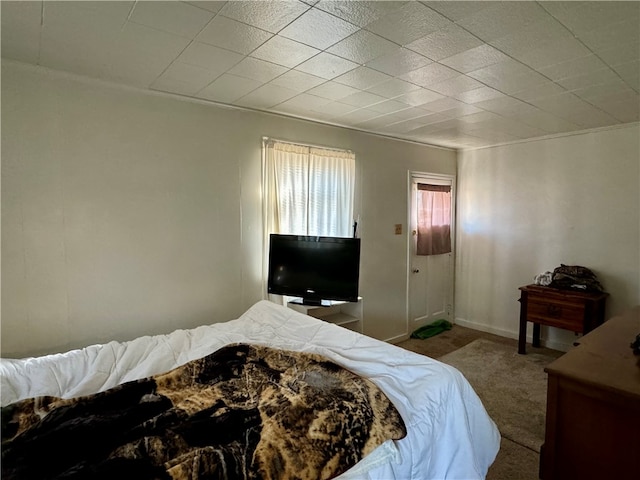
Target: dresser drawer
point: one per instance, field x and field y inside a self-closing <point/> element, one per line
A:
<point x="556" y="313"/>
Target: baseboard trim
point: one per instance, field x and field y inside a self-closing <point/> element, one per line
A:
<point x="397" y="339"/>
<point x="561" y="346"/>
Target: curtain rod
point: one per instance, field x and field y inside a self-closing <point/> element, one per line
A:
<point x="309" y="145"/>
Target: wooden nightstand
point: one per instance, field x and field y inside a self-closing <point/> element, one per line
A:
<point x="572" y="310"/>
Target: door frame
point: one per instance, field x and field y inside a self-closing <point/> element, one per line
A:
<point x="435" y="178"/>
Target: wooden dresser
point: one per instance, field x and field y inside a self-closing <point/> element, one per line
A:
<point x="572" y="310"/>
<point x="593" y="406"/>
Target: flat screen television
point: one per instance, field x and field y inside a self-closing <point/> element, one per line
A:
<point x="315" y="269"/>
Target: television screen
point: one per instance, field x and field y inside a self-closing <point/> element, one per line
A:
<point x="314" y="268"/>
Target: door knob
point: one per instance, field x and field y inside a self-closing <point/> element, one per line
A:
<point x="415" y="270"/>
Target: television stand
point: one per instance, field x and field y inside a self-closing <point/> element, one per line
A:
<point x="344" y="314"/>
<point x="311" y="302"/>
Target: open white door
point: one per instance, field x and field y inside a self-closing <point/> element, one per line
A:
<point x="430" y="277"/>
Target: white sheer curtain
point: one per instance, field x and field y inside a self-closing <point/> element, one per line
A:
<point x="306" y="191"/>
<point x="331" y="185"/>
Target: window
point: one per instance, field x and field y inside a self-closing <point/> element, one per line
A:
<point x="308" y="190"/>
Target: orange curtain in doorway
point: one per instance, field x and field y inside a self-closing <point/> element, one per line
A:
<point x="434" y="219"/>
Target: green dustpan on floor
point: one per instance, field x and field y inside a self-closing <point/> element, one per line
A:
<point x="434" y="328"/>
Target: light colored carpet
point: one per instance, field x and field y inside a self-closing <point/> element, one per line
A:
<point x="514" y="462"/>
<point x="512" y="387"/>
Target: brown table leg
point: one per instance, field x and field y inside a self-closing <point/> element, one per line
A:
<point x="522" y="336"/>
<point x="536" y="335"/>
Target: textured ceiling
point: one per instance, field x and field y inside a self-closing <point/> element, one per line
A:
<point x="456" y="74"/>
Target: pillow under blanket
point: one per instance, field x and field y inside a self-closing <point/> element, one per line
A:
<point x="244" y="411"/>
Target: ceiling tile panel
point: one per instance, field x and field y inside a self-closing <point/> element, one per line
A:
<point x="411" y="113"/>
<point x="598" y="77"/>
<point x="304" y="102"/>
<point x="284" y="51"/>
<point x="256" y="69"/>
<point x="610" y="36"/>
<point x="561" y="51"/>
<point x="335" y="109"/>
<point x="363" y="78"/>
<point x="502" y="18"/>
<point x="408" y="23"/>
<point x="398" y="61"/>
<point x="444" y="104"/>
<point x="404" y="126"/>
<point x="481" y="117"/>
<point x="562" y="104"/>
<point x="148" y="44"/>
<point x="478" y="95"/>
<point x="318" y="29"/>
<point x="621" y="53"/>
<point x="228" y="88"/>
<point x="419" y="97"/>
<point x="501" y="105"/>
<point x="360" y="13"/>
<point x="541" y="34"/>
<point x="333" y="90"/>
<point x="502" y="73"/>
<point x="584" y="17"/>
<point x="475" y="58"/>
<point x="547" y="122"/>
<point x="458" y="10"/>
<point x="235" y="36"/>
<point x="266" y="96"/>
<point x="356" y="116"/>
<point x="173" y="17"/>
<point x="376" y="123"/>
<point x="326" y="65"/>
<point x="393" y="88"/>
<point x="269" y="15"/>
<point x="212" y="6"/>
<point x="630" y="73"/>
<point x="430" y="75"/>
<point x="455" y="85"/>
<point x="609" y="92"/>
<point x="362" y="47"/>
<point x="298" y="81"/>
<point x="362" y="99"/>
<point x="444" y="43"/>
<point x="543" y="90"/>
<point x="582" y="65"/>
<point x="388" y="106"/>
<point x="210" y="57"/>
<point x="593" y="118"/>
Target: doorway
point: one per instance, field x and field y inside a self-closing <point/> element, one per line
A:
<point x="430" y="274"/>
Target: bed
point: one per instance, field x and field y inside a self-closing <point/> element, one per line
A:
<point x="448" y="432"/>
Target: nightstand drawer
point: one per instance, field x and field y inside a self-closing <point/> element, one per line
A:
<point x="569" y="316"/>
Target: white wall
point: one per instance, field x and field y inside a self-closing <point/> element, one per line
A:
<point x="125" y="213"/>
<point x="528" y="207"/>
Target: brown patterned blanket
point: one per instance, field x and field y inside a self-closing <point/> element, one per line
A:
<point x="244" y="411"/>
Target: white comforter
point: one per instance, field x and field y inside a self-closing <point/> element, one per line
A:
<point x="450" y="435"/>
